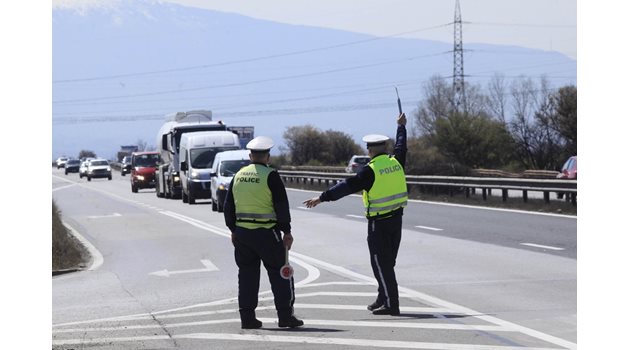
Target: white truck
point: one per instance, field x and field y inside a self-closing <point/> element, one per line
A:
<point x="197" y="152"/>
<point x="168" y="182"/>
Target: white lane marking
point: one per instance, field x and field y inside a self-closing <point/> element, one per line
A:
<point x="356" y="216"/>
<point x="62" y="187"/>
<point x="541" y="246"/>
<point x="209" y="267"/>
<point x="464" y="206"/>
<point x="310" y="322"/>
<point x="97" y="257"/>
<point x="425" y="298"/>
<point x="430" y="228"/>
<point x="303" y="208"/>
<point x="296" y="339"/>
<point x="114" y="215"/>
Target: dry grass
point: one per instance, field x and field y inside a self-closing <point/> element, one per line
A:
<point x="67" y="251"/>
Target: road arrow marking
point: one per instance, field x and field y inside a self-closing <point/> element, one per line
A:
<point x="209" y="267"/>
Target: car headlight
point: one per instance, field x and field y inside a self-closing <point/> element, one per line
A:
<point x="109" y="169"/>
<point x="194" y="175"/>
<point x="140" y="177"/>
<point x="176" y="178"/>
<point x="224" y="186"/>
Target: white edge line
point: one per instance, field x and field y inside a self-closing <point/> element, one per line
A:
<point x="465" y="206"/>
<point x="97" y="257"/>
<point x="430" y="228"/>
<point x="542" y="246"/>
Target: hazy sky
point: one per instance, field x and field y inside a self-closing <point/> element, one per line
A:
<point x="541" y="24"/>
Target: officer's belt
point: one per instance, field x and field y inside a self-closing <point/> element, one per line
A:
<point x="255" y="218"/>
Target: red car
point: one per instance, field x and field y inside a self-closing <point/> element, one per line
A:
<point x="143" y="166"/>
<point x="569" y="169"/>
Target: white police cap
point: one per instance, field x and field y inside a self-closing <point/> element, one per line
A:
<point x="374" y="139"/>
<point x="260" y="144"/>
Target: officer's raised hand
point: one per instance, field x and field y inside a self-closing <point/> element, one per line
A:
<point x="402" y="119"/>
<point x="310" y="203"/>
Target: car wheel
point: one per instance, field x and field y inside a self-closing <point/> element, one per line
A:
<point x="134" y="189"/>
<point x="191" y="198"/>
<point x="219" y="207"/>
<point x="109" y="177"/>
<point x="184" y="196"/>
<point x="66" y="171"/>
<point x="214" y="205"/>
<point x="89" y="178"/>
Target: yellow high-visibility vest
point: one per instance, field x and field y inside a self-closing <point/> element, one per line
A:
<point x="389" y="191"/>
<point x="252" y="197"/>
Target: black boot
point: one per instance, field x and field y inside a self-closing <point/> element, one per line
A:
<point x="375" y="305"/>
<point x="251" y="324"/>
<point x="290" y="322"/>
<point x="384" y="310"/>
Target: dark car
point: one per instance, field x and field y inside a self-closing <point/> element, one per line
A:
<point x="356" y="162"/>
<point x="125" y="165"/>
<point x="72" y="166"/>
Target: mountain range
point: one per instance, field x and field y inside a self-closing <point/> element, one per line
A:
<point x="118" y="70"/>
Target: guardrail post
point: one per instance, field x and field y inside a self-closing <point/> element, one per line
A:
<point x="450" y="191"/>
<point x="467" y="190"/>
<point x="504" y="194"/>
<point x="473" y="191"/>
<point x="525" y="196"/>
<point x="489" y="192"/>
<point x="566" y="197"/>
<point x="484" y="194"/>
<point x="573" y="198"/>
<point x="311" y="181"/>
<point x="546" y="196"/>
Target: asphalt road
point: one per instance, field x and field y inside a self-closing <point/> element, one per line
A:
<point x="163" y="277"/>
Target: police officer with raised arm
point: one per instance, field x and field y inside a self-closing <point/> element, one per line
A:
<point x="256" y="211"/>
<point x="384" y="197"/>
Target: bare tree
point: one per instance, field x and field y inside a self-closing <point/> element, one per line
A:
<point x="497" y="98"/>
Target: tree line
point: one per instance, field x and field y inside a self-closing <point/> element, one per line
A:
<point x="514" y="126"/>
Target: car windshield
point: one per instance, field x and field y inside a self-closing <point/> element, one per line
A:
<point x="146" y="160"/>
<point x="230" y="167"/>
<point x="73" y="162"/>
<point x="362" y="160"/>
<point x="99" y="162"/>
<point x="202" y="158"/>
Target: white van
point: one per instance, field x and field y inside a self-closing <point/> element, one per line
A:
<point x="196" y="156"/>
<point x="225" y="166"/>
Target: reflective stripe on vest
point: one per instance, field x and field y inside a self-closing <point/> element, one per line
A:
<point x="389" y="190"/>
<point x="252" y="197"/>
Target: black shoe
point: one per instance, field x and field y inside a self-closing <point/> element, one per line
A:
<point x="251" y="324"/>
<point x="384" y="310"/>
<point x="375" y="305"/>
<point x="290" y="322"/>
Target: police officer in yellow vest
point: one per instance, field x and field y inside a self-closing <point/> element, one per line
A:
<point x="256" y="211"/>
<point x="384" y="197"/>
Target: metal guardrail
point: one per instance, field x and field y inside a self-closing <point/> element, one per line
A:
<point x="453" y="183"/>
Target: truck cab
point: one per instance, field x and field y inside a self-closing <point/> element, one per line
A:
<point x="197" y="151"/>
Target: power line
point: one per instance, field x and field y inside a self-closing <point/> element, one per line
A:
<point x="246" y="60"/>
<point x="156" y="93"/>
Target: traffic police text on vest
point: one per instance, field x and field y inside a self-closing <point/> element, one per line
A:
<point x="389" y="191"/>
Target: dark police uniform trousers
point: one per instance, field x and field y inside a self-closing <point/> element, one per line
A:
<point x="383" y="242"/>
<point x="252" y="246"/>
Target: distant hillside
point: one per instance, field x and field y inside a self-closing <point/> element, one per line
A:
<point x="118" y="70"/>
